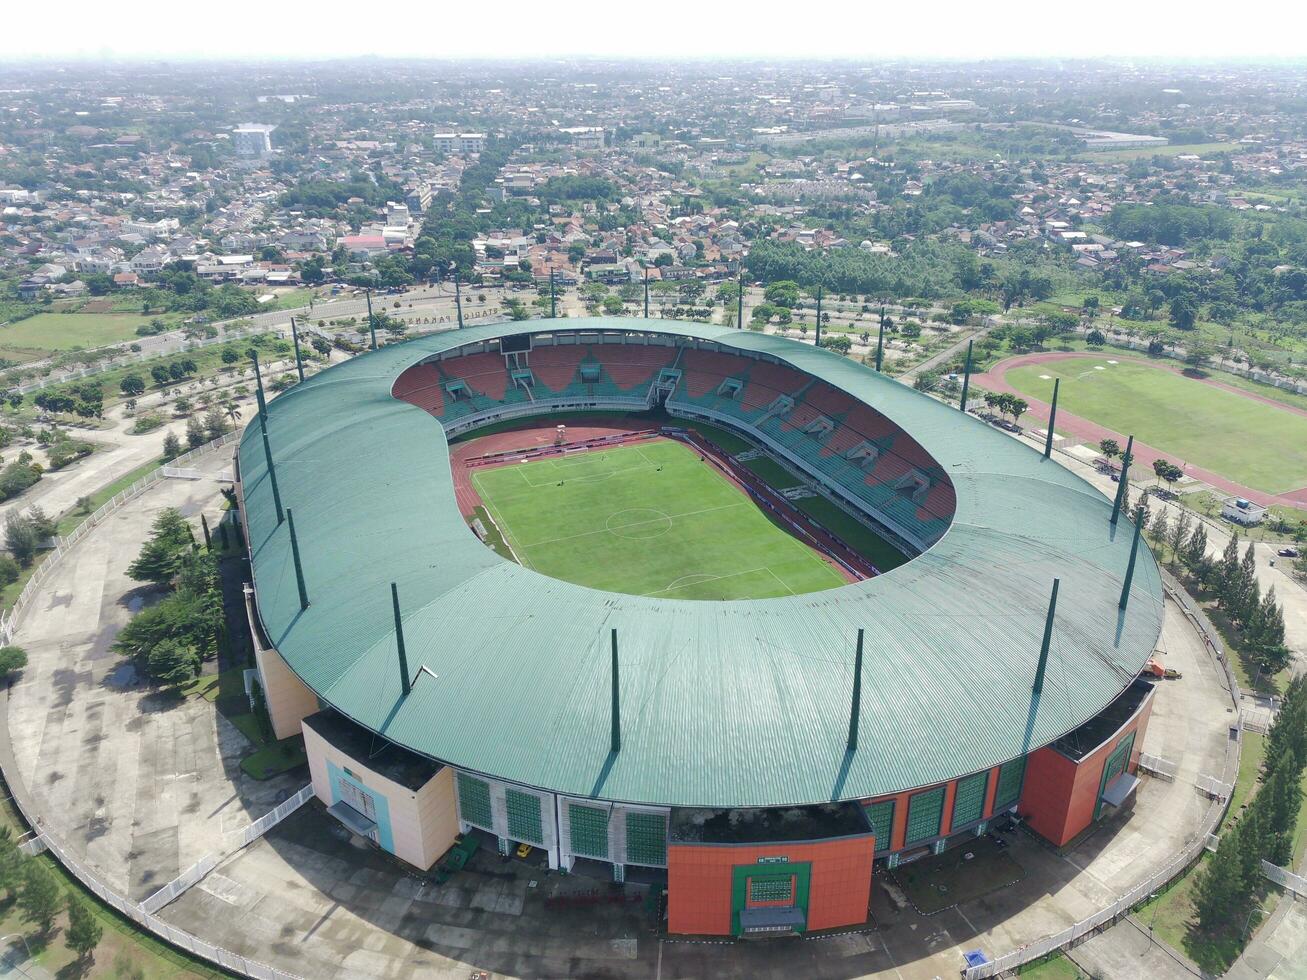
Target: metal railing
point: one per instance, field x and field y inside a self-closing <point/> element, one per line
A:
<point x="143" y="917"/>
<point x="258" y="828"/>
<point x="1189" y="854"/>
<point x="1286" y="879"/>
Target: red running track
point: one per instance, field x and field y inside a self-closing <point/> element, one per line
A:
<point x="1083" y="430"/>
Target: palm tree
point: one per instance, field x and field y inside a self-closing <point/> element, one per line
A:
<point x="233" y="411"/>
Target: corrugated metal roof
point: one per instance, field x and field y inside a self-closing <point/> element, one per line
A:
<point x="723" y="703"/>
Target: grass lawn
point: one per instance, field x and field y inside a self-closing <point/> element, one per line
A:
<point x="1056" y="967"/>
<point x="942" y="881"/>
<point x="124" y="951"/>
<point x="852" y="532"/>
<point x="1148" y="152"/>
<point x="772" y="473"/>
<point x="64" y="331"/>
<point x="1256" y="444"/>
<point x="276" y="758"/>
<point x="587" y="519"/>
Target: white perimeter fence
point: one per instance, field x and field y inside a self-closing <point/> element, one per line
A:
<point x="1190" y="853"/>
<point x="142" y="915"/>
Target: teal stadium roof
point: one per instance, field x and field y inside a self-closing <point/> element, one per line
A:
<point x="723" y="704"/>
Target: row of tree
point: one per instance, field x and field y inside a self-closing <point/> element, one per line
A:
<point x="33" y="888"/>
<point x="1226" y="887"/>
<point x="1231" y="580"/>
<point x="168" y="641"/>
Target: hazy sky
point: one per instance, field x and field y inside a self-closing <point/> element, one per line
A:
<point x="974" y="29"/>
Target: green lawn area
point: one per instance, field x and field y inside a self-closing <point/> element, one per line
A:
<point x="1056" y="967"/>
<point x="1256" y="444"/>
<point x="1201" y="149"/>
<point x="276" y="758"/>
<point x="124" y="951"/>
<point x="64" y="331"/>
<point x="772" y="473"/>
<point x="852" y="532"/>
<point x="587" y="519"/>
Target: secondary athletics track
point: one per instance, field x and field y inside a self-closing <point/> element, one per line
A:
<point x="1083" y="430"/>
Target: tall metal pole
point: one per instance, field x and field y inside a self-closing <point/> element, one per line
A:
<point x="272" y="474"/>
<point x="299" y="362"/>
<point x="646" y="292"/>
<point x="966" y="378"/>
<point x="404" y="681"/>
<point x="855" y="708"/>
<point x="1134" y="550"/>
<point x="1124" y="481"/>
<point x="372" y="324"/>
<point x="553" y="298"/>
<point x="1052" y="419"/>
<point x="880" y="340"/>
<point x="616" y="734"/>
<point x="258" y="389"/>
<point x="739" y="298"/>
<point x="458" y="300"/>
<point x="295" y="557"/>
<point x="1048" y="640"/>
<point x="817" y="336"/>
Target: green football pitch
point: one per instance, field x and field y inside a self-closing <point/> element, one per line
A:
<point x="647" y="519"/>
<point x="1259" y="445"/>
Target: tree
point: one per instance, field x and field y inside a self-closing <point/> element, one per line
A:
<point x="215" y="423"/>
<point x="1223" y="887"/>
<point x="84" y="931"/>
<point x="1018" y="407"/>
<point x="1264" y="636"/>
<point x="132" y="385"/>
<point x="1180" y="530"/>
<point x="39" y="897"/>
<point x="21" y="538"/>
<point x="1195" y="553"/>
<point x="1109" y="448"/>
<point x="1095" y="338"/>
<point x="12" y="659"/>
<point x="1161" y="528"/>
<point x="1184" y="312"/>
<point x="195" y="434"/>
<point x="172" y="662"/>
<point x="839" y="343"/>
<point x="172" y="446"/>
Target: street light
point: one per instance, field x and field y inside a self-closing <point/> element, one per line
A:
<point x="1249" y="920"/>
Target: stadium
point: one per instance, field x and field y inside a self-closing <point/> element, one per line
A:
<point x="675" y="603"/>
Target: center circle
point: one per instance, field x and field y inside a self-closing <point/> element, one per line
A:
<point x="638" y="522"/>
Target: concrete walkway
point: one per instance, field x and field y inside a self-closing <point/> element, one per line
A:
<point x="137" y="783"/>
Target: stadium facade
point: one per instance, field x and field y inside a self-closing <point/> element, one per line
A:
<point x="762" y="757"/>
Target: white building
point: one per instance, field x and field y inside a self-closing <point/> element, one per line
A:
<point x="461" y="143"/>
<point x="252" y="139"/>
<point x="585" y="137"/>
<point x="1242" y="511"/>
<point x="397" y="215"/>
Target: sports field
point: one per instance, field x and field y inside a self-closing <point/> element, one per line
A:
<point x="1256" y="444"/>
<point x="647" y="519"/>
<point x="64" y="331"/>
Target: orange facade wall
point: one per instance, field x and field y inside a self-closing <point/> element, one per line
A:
<point x="700" y="881"/>
<point x="1060" y="794"/>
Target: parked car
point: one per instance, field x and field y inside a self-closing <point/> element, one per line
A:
<point x="1288" y="552"/>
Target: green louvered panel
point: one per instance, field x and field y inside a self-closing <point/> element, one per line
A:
<point x="969" y="801"/>
<point x="1009" y="783"/>
<point x="524" y="816"/>
<point x="474" y="801"/>
<point x="589" y="831"/>
<point x="881" y="817"/>
<point x="924" y="813"/>
<point x="771" y="888"/>
<point x="646" y="838"/>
